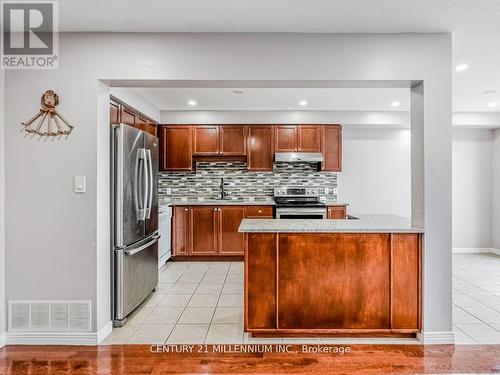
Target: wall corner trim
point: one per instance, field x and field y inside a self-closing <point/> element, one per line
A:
<point x="104" y="332"/>
<point x="436" y="338"/>
<point x="2" y="341"/>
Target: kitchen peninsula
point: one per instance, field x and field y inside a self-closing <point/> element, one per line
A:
<point x="333" y="277"/>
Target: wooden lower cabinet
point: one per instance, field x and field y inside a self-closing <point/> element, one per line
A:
<point x="259" y="212"/>
<point x="231" y="242"/>
<point x="212" y="230"/>
<point x="180" y="230"/>
<point x="337" y="212"/>
<point x="203" y="229"/>
<point x="333" y="283"/>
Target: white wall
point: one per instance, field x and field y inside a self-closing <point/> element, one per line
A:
<point x="2" y="209"/>
<point x="354" y="118"/>
<point x="55" y="238"/>
<point x="137" y="102"/>
<point x="472" y="188"/>
<point x="496" y="191"/>
<point x="376" y="172"/>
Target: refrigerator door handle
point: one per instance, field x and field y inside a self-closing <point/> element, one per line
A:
<point x="136" y="185"/>
<point x="146" y="183"/>
<point x="150" y="172"/>
<point x="142" y="247"/>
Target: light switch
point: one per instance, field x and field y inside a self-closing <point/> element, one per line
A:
<point x="79" y="184"/>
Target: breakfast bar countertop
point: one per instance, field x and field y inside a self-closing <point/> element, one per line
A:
<point x="363" y="224"/>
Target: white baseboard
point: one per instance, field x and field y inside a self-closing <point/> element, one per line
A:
<point x="58" y="338"/>
<point x="436" y="338"/>
<point x="475" y="250"/>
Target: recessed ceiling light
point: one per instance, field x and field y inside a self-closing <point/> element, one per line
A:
<point x="490" y="92"/>
<point x="492" y="105"/>
<point x="238" y="92"/>
<point x="395" y="104"/>
<point x="192" y="103"/>
<point x="461" y="67"/>
<point x="303" y="102"/>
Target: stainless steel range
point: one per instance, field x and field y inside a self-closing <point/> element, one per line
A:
<point x="299" y="203"/>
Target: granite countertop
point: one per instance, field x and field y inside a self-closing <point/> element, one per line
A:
<point x="229" y="202"/>
<point x="217" y="202"/>
<point x="365" y="224"/>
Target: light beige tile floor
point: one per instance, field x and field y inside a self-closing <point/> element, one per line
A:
<point x="202" y="302"/>
<point x="476" y="298"/>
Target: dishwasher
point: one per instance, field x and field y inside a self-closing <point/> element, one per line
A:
<point x="165" y="228"/>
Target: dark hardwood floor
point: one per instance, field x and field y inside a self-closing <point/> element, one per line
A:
<point x="138" y="359"/>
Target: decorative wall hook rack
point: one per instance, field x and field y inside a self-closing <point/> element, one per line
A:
<point x="47" y="122"/>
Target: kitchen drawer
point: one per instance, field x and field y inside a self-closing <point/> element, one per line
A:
<point x="256" y="212"/>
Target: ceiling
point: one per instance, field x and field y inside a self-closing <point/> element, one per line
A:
<point x="318" y="16"/>
<point x="328" y="99"/>
<point x="474" y="24"/>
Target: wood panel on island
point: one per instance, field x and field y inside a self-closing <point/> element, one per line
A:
<point x="254" y="143"/>
<point x="207" y="231"/>
<point x="370" y="284"/>
<point x="121" y="113"/>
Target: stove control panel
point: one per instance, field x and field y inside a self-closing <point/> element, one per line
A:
<point x="296" y="192"/>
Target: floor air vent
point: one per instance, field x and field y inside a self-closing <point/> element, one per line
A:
<point x="49" y="316"/>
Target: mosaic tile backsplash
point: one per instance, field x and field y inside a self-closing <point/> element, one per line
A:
<point x="240" y="183"/>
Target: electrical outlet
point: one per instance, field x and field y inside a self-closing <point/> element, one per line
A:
<point x="169" y="191"/>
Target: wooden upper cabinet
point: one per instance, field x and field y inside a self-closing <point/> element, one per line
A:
<point x="121" y="113"/>
<point x="181" y="231"/>
<point x="260" y="148"/>
<point x="151" y="128"/>
<point x="231" y="242"/>
<point x="332" y="148"/>
<point x="309" y="138"/>
<point x="206" y="140"/>
<point x="233" y="140"/>
<point x="142" y="124"/>
<point x="128" y="117"/>
<point x="204" y="230"/>
<point x="114" y="113"/>
<point x="176" y="148"/>
<point x="286" y="138"/>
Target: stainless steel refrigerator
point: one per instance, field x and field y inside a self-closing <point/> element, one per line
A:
<point x="134" y="219"/>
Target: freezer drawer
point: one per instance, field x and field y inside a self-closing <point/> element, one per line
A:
<point x="136" y="270"/>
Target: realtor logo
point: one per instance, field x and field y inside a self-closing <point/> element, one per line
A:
<point x="29" y="35"/>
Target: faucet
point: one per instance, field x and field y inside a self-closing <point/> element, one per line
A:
<point x="222" y="192"/>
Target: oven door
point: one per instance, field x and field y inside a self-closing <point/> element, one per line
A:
<point x="301" y="213"/>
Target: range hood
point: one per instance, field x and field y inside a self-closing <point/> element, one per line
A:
<point x="298" y="157"/>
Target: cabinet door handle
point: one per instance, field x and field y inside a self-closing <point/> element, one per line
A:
<point x="260" y="211"/>
<point x="215" y="209"/>
<point x="185" y="210"/>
